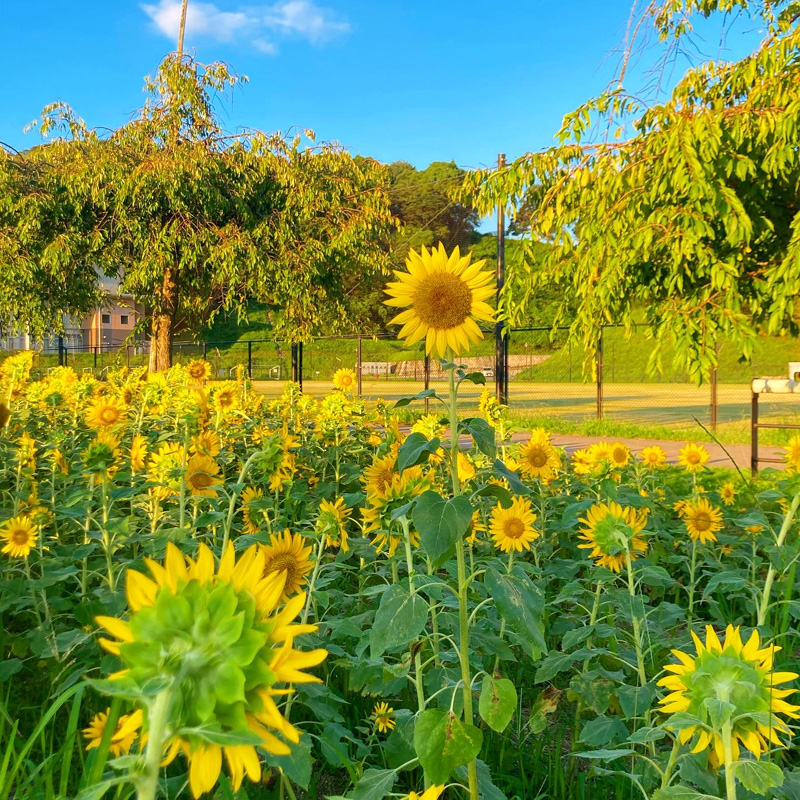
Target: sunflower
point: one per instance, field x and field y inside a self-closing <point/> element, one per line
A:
<point x="610" y="532"/>
<point x="727" y="674"/>
<point x="198" y="370"/>
<point x="653" y="457"/>
<point x="20" y="536"/>
<point x="180" y="629"/>
<point x="693" y="456"/>
<point x="226" y="398"/>
<point x="512" y="528"/>
<point x="125" y="732"/>
<point x="728" y="493"/>
<point x="476" y="526"/>
<point x="380" y="474"/>
<point x="383" y="717"/>
<point x="5" y="415"/>
<point x="444" y="297"/>
<point x="377" y="515"/>
<point x="248" y="496"/>
<point x="105" y="412"/>
<point x="582" y="462"/>
<point x="138" y="453"/>
<point x="466" y="469"/>
<point x="100" y="457"/>
<point x="619" y="455"/>
<point x="206" y="442"/>
<point x="538" y="458"/>
<point x="344" y="379"/>
<point x="792" y="455"/>
<point x="431" y="793"/>
<point x="331" y="523"/>
<point x="202" y="476"/>
<point x="59" y="461"/>
<point x="26" y="451"/>
<point x="165" y="469"/>
<point x="702" y="520"/>
<point x="286" y="553"/>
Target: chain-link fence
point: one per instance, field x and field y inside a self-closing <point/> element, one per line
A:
<point x="548" y="376"/>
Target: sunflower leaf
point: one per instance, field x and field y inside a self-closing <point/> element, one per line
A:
<point x="498" y="702"/>
<point x="374" y="784"/>
<point x="444" y="743"/>
<point x="400" y="618"/>
<point x="482" y="434"/>
<point x="441" y="522"/>
<point x="758" y="776"/>
<point x="520" y="604"/>
<point x="415" y="450"/>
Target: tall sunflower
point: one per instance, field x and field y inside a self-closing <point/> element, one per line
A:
<point x="20" y="535"/>
<point x="287" y="554"/>
<point x="199" y="370"/>
<point x="377" y="515"/>
<point x="105" y="412"/>
<point x="344" y="379"/>
<point x="619" y="455"/>
<point x="165" y="469"/>
<point x="125" y="733"/>
<point x="512" y="528"/>
<point x="138" y="453"/>
<point x="728" y="493"/>
<point x="248" y="496"/>
<point x="735" y="676"/>
<point x="610" y="531"/>
<point x="332" y="523"/>
<point x="224" y="676"/>
<point x="792" y="455"/>
<point x="693" y="457"/>
<point x="538" y="458"/>
<point x="702" y="520"/>
<point x="202" y="476"/>
<point x="380" y="474"/>
<point x="653" y="456"/>
<point x="444" y="297"/>
<point x="207" y="442"/>
<point x="383" y="717"/>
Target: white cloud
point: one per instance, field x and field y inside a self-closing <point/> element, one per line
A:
<point x="260" y="26"/>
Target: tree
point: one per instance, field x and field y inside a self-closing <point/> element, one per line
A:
<point x="193" y="219"/>
<point x="683" y="212"/>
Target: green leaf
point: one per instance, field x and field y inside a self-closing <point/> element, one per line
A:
<point x="719" y="712"/>
<point x="520" y="603"/>
<point x="404" y="401"/>
<point x="758" y="776"/>
<point x="297" y="765"/>
<point x="441" y="522"/>
<point x="482" y="434"/>
<point x="635" y="700"/>
<point x="9" y="667"/>
<point x="500" y="470"/>
<point x="602" y="731"/>
<point x="415" y="450"/>
<point x="443" y="743"/>
<point x="497" y="703"/>
<point x="604" y="755"/>
<point x="493" y="490"/>
<point x="400" y="618"/>
<point x="475" y="377"/>
<point x="681" y="793"/>
<point x="210" y="733"/>
<point x="374" y="784"/>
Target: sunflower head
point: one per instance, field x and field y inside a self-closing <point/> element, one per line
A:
<point x="432" y="793"/>
<point x="105" y="411"/>
<point x="218" y="637"/>
<point x="165" y="468"/>
<point x="383" y="717"/>
<point x="610" y="532"/>
<point x="444" y="298"/>
<point x="792" y="455"/>
<point x="476" y="526"/>
<point x="344" y="379"/>
<point x="702" y="520"/>
<point x="693" y="457"/>
<point x="728" y="493"/>
<point x="249" y="495"/>
<point x="198" y="370"/>
<point x="202" y="476"/>
<point x="377" y="515"/>
<point x="286" y="554"/>
<point x="538" y="458"/>
<point x="125" y="733"/>
<point x="20" y="535"/>
<point x="332" y="523"/>
<point x="138" y="453"/>
<point x="100" y="457"/>
<point x="619" y="455"/>
<point x="729" y="682"/>
<point x="207" y="442"/>
<point x="653" y="456"/>
<point x="512" y="528"/>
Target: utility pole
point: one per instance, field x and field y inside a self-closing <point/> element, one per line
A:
<point x="182" y="28"/>
<point x="500" y="341"/>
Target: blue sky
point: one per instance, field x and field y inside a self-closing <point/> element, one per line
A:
<point x="412" y="80"/>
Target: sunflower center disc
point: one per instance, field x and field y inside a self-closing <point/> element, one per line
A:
<point x="201" y="480"/>
<point x="514" y="528"/>
<point x="20" y="536"/>
<point x="537" y="458"/>
<point x="442" y="300"/>
<point x="702" y="521"/>
<point x="108" y="415"/>
<point x="284" y="563"/>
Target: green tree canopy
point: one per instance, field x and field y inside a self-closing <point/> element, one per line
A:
<point x="684" y="211"/>
<point x="193" y="219"/>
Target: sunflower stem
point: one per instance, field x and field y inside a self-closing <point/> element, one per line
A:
<point x="727" y="749"/>
<point x="692" y="573"/>
<point x="226" y="533"/>
<point x="158" y="716"/>
<point x="770" y="579"/>
<point x="463" y="609"/>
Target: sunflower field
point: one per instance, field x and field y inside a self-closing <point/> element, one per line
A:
<point x="205" y="593"/>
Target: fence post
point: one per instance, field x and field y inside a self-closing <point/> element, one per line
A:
<point x="95" y="357"/>
<point x="60" y="351"/>
<point x="599" y="369"/>
<point x="500" y="341"/>
<point x="294" y="363"/>
<point x="300" y="360"/>
<point x="128" y="356"/>
<point x="358" y="365"/>
<point x="753" y="431"/>
<point x="714" y="398"/>
<point x="427" y="377"/>
<point x="205" y="350"/>
<point x="250" y="360"/>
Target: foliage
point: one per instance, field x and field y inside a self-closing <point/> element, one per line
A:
<point x="191" y="218"/>
<point x="683" y="210"/>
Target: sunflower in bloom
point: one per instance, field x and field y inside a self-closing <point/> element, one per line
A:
<point x="344" y="379"/>
<point x="538" y="458"/>
<point x="380" y="474"/>
<point x="198" y="370"/>
<point x="248" y="496"/>
<point x="653" y="457"/>
<point x="222" y="675"/>
<point x="466" y="469"/>
<point x="512" y="528"/>
<point x="610" y="531"/>
<point x="100" y="457"/>
<point x="444" y="298"/>
<point x="792" y="455"/>
<point x="582" y="461"/>
<point x="377" y="515"/>
<point x="138" y="453"/>
<point x="476" y="526"/>
<point x="26" y="451"/>
<point x="202" y="476"/>
<point x="226" y="398"/>
<point x="702" y="520"/>
<point x="433" y="793"/>
<point x="619" y="455"/>
<point x="332" y="523"/>
<point x="165" y="469"/>
<point x="206" y="442"/>
<point x="105" y="412"/>
<point x="20" y="535"/>
<point x="736" y="673"/>
<point x="693" y="456"/>
<point x="286" y="553"/>
<point x="125" y="733"/>
<point x="383" y="717"/>
<point x="728" y="493"/>
<point x="428" y="425"/>
<point x="59" y="461"/>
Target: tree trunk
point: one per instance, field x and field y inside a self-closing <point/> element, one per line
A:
<point x="164" y="323"/>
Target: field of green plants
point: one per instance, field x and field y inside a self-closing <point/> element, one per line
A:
<point x="207" y="592"/>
